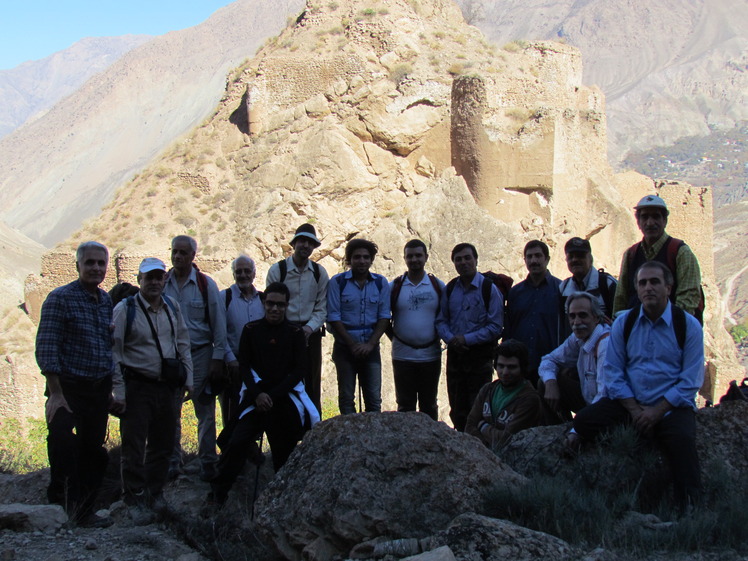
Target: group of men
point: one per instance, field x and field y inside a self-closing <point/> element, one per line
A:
<point x="180" y="338"/>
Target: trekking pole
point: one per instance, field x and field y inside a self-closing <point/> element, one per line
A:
<point x="257" y="480"/>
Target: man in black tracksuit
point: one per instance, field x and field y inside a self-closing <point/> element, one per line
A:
<point x="272" y="362"/>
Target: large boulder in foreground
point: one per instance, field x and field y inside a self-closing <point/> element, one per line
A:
<point x="358" y="477"/>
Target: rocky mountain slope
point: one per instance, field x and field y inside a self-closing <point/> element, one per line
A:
<point x="93" y="141"/>
<point x="31" y="88"/>
<point x="668" y="69"/>
<point x="393" y="122"/>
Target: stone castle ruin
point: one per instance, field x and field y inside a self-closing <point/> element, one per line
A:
<point x="395" y="120"/>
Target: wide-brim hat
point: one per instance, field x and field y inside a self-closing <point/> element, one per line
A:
<point x="306" y="231"/>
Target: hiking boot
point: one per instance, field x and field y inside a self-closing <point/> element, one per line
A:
<point x="572" y="445"/>
<point x="93" y="520"/>
<point x="255" y="455"/>
<point x="212" y="504"/>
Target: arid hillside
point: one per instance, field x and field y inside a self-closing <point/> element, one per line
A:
<point x="64" y="167"/>
<point x="29" y="89"/>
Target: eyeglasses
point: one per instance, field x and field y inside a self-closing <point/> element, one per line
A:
<point x="273" y="304"/>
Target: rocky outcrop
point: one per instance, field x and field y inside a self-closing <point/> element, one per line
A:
<point x="721" y="441"/>
<point x="358" y="477"/>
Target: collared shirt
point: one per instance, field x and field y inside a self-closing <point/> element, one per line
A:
<point x="193" y="308"/>
<point x="464" y="313"/>
<point x="587" y="356"/>
<point x="308" y="303"/>
<point x="687" y="276"/>
<point x="73" y="339"/>
<point x="414" y="320"/>
<point x="652" y="366"/>
<point x="591" y="284"/>
<point x="240" y="312"/>
<point x="138" y="351"/>
<point x="533" y="316"/>
<point x="358" y="308"/>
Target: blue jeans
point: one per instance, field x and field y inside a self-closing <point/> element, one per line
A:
<point x="369" y="371"/>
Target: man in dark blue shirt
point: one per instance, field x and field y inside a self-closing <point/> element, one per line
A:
<point x="74" y="353"/>
<point x="533" y="312"/>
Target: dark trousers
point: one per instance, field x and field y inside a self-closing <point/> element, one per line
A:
<point x="229" y="397"/>
<point x="283" y="427"/>
<point x="148" y="430"/>
<point x="571" y="397"/>
<point x="417" y="382"/>
<point x="75" y="445"/>
<point x="675" y="433"/>
<point x="369" y="372"/>
<point x="467" y="373"/>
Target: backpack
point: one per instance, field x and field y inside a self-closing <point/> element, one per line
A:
<point x="679" y="324"/>
<point x="230" y="295"/>
<point x="667" y="256"/>
<point x="502" y="282"/>
<point x="130" y="304"/>
<point x="602" y="290"/>
<point x="397" y="286"/>
<point x="283" y="267"/>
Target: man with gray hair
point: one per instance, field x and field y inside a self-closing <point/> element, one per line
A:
<point x="243" y="304"/>
<point x="205" y="315"/>
<point x="572" y="376"/>
<point x="74" y="353"/>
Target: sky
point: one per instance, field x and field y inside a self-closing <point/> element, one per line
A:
<point x="34" y="29"/>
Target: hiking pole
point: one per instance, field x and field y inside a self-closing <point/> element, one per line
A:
<point x="257" y="480"/>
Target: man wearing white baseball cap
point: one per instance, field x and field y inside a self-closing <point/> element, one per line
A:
<point x="656" y="245"/>
<point x="152" y="365"/>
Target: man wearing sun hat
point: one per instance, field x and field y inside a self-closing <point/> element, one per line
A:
<point x="656" y="245"/>
<point x="307" y="283"/>
<point x="151" y="354"/>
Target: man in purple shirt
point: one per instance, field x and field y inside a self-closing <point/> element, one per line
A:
<point x="654" y="366"/>
<point x="470" y="321"/>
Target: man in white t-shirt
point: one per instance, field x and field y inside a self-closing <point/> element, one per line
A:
<point x="416" y="349"/>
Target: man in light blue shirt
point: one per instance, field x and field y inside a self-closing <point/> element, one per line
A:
<point x="358" y="313"/>
<point x="470" y="320"/>
<point x="654" y="367"/>
<point x="243" y="305"/>
<point x="573" y="375"/>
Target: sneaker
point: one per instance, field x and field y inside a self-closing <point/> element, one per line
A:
<point x="93" y="520"/>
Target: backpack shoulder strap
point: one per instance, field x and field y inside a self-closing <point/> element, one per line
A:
<point x="397" y="286"/>
<point x="435" y="284"/>
<point x="315" y="270"/>
<point x="679" y="325"/>
<point x="485" y="290"/>
<point x="283" y="269"/>
<point x="451" y="286"/>
<point x="629" y="325"/>
<point x="170" y="303"/>
<point x="229" y="296"/>
<point x="130" y="306"/>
